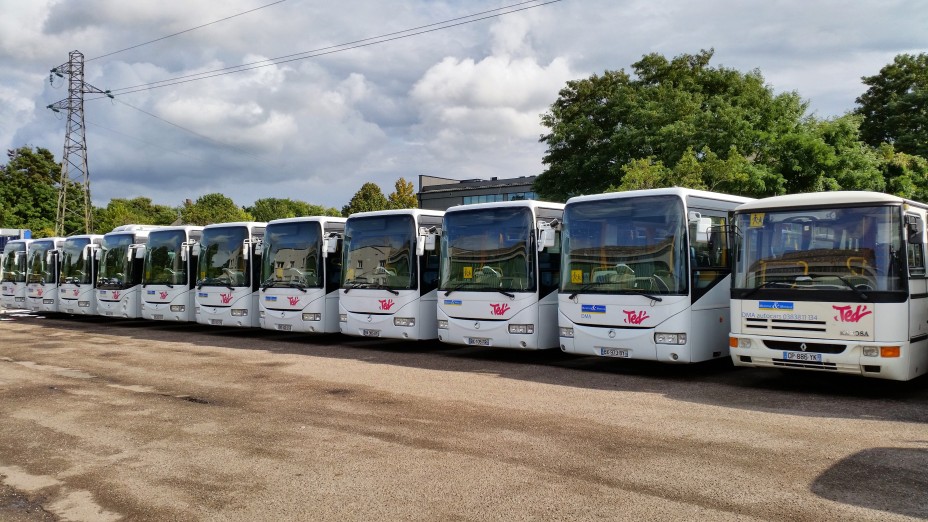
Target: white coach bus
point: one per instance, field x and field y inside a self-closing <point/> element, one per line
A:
<point x="169" y="273"/>
<point x="78" y="273"/>
<point x="228" y="274"/>
<point x="13" y="274"/>
<point x="119" y="278"/>
<point x="301" y="262"/>
<point x="500" y="266"/>
<point x="42" y="274"/>
<point x="832" y="282"/>
<point x="390" y="274"/>
<point x="646" y="275"/>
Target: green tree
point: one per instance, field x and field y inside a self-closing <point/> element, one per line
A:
<point x="906" y="175"/>
<point x="213" y="208"/>
<point x="601" y="124"/>
<point x="404" y="195"/>
<point x="267" y="209"/>
<point x="29" y="192"/>
<point x="895" y="106"/>
<point x="138" y="210"/>
<point x="369" y="197"/>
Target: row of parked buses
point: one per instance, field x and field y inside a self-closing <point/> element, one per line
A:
<point x="829" y="281"/>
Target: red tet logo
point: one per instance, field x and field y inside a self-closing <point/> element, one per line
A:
<point x="164" y="295"/>
<point x="75" y="292"/>
<point x="499" y="308"/>
<point x="846" y="315"/>
<point x="386" y="304"/>
<point x="633" y="317"/>
<point x="225" y="298"/>
<point x="115" y="294"/>
<point x="38" y="292"/>
<point x="294" y="300"/>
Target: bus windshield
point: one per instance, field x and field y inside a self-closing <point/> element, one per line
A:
<point x="291" y="256"/>
<point x="852" y="249"/>
<point x="14" y="263"/>
<point x="379" y="253"/>
<point x="115" y="267"/>
<point x="75" y="266"/>
<point x="488" y="250"/>
<point x="38" y="268"/>
<point x="222" y="260"/>
<point x="163" y="262"/>
<point x="625" y="246"/>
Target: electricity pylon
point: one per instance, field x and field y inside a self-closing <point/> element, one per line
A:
<point x="74" y="171"/>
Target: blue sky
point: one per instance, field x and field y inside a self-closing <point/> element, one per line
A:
<point x="462" y="103"/>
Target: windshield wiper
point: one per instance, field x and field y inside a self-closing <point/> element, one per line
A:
<point x="587" y="286"/>
<point x="381" y="286"/>
<point x="507" y="294"/>
<point x="300" y="286"/>
<point x="765" y="284"/>
<point x="844" y="280"/>
<point x="211" y="281"/>
<point x="457" y="287"/>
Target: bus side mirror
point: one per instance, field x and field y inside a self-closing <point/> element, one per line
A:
<point x="97" y="254"/>
<point x="693" y="216"/>
<point x="48" y="257"/>
<point x="140" y="252"/>
<point x="427" y="240"/>
<point x="259" y="247"/>
<point x="246" y="249"/>
<point x="547" y="231"/>
<point x="330" y="244"/>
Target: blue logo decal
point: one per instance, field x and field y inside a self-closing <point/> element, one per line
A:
<point x="593" y="309"/>
<point x="270" y="298"/>
<point x="150" y="292"/>
<point x="775" y="305"/>
<point x="202" y="294"/>
<point x="454" y="302"/>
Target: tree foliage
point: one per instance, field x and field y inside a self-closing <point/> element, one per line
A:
<point x="213" y="208"/>
<point x="600" y="125"/>
<point x="267" y="209"/>
<point x="138" y="210"/>
<point x="29" y="185"/>
<point x="403" y="195"/>
<point x="895" y="105"/>
<point x="369" y="197"/>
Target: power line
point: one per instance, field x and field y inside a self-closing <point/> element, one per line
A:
<point x="185" y="31"/>
<point x="366" y="42"/>
<point x="143" y="142"/>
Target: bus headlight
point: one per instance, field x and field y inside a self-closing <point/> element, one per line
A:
<point x="239" y="312"/>
<point x="261" y="314"/>
<point x="521" y="328"/>
<point x="404" y="321"/>
<point x="48" y="301"/>
<point x="442" y="324"/>
<point x="343" y="318"/>
<point x="83" y="304"/>
<point x="871" y="351"/>
<point x="312" y="317"/>
<point x="669" y="338"/>
<point x="566" y="331"/>
<point x="178" y="308"/>
<point x="738" y="342"/>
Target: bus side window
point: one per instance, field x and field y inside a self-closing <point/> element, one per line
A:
<point x="915" y="248"/>
<point x="710" y="255"/>
<point x="549" y="267"/>
<point x="429" y="277"/>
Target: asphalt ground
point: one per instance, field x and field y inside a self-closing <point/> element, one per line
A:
<point x="135" y="420"/>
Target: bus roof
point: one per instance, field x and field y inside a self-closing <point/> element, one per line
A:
<point x="250" y="224"/>
<point x="301" y="219"/>
<point x="415" y="212"/>
<point x="528" y="203"/>
<point x="826" y="199"/>
<point x="670" y="191"/>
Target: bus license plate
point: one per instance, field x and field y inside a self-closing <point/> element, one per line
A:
<point x="107" y="313"/>
<point x="217" y="322"/>
<point x="802" y="356"/>
<point x="284" y="327"/>
<point x="478" y="341"/>
<point x="370" y="333"/>
<point x="157" y="317"/>
<point x="614" y="352"/>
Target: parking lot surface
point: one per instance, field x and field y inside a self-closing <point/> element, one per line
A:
<point x="135" y="420"/>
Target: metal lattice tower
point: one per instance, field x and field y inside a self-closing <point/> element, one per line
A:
<point x="74" y="173"/>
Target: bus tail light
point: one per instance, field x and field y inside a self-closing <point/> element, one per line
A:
<point x="890" y="351"/>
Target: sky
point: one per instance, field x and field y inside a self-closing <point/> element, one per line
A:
<point x="460" y="102"/>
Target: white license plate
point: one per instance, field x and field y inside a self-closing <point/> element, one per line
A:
<point x="285" y="327"/>
<point x="614" y="352"/>
<point x="370" y="333"/>
<point x="802" y="356"/>
<point x="478" y="341"/>
<point x="70" y="310"/>
<point x="217" y="322"/>
<point x="157" y="317"/>
<point x="107" y="313"/>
